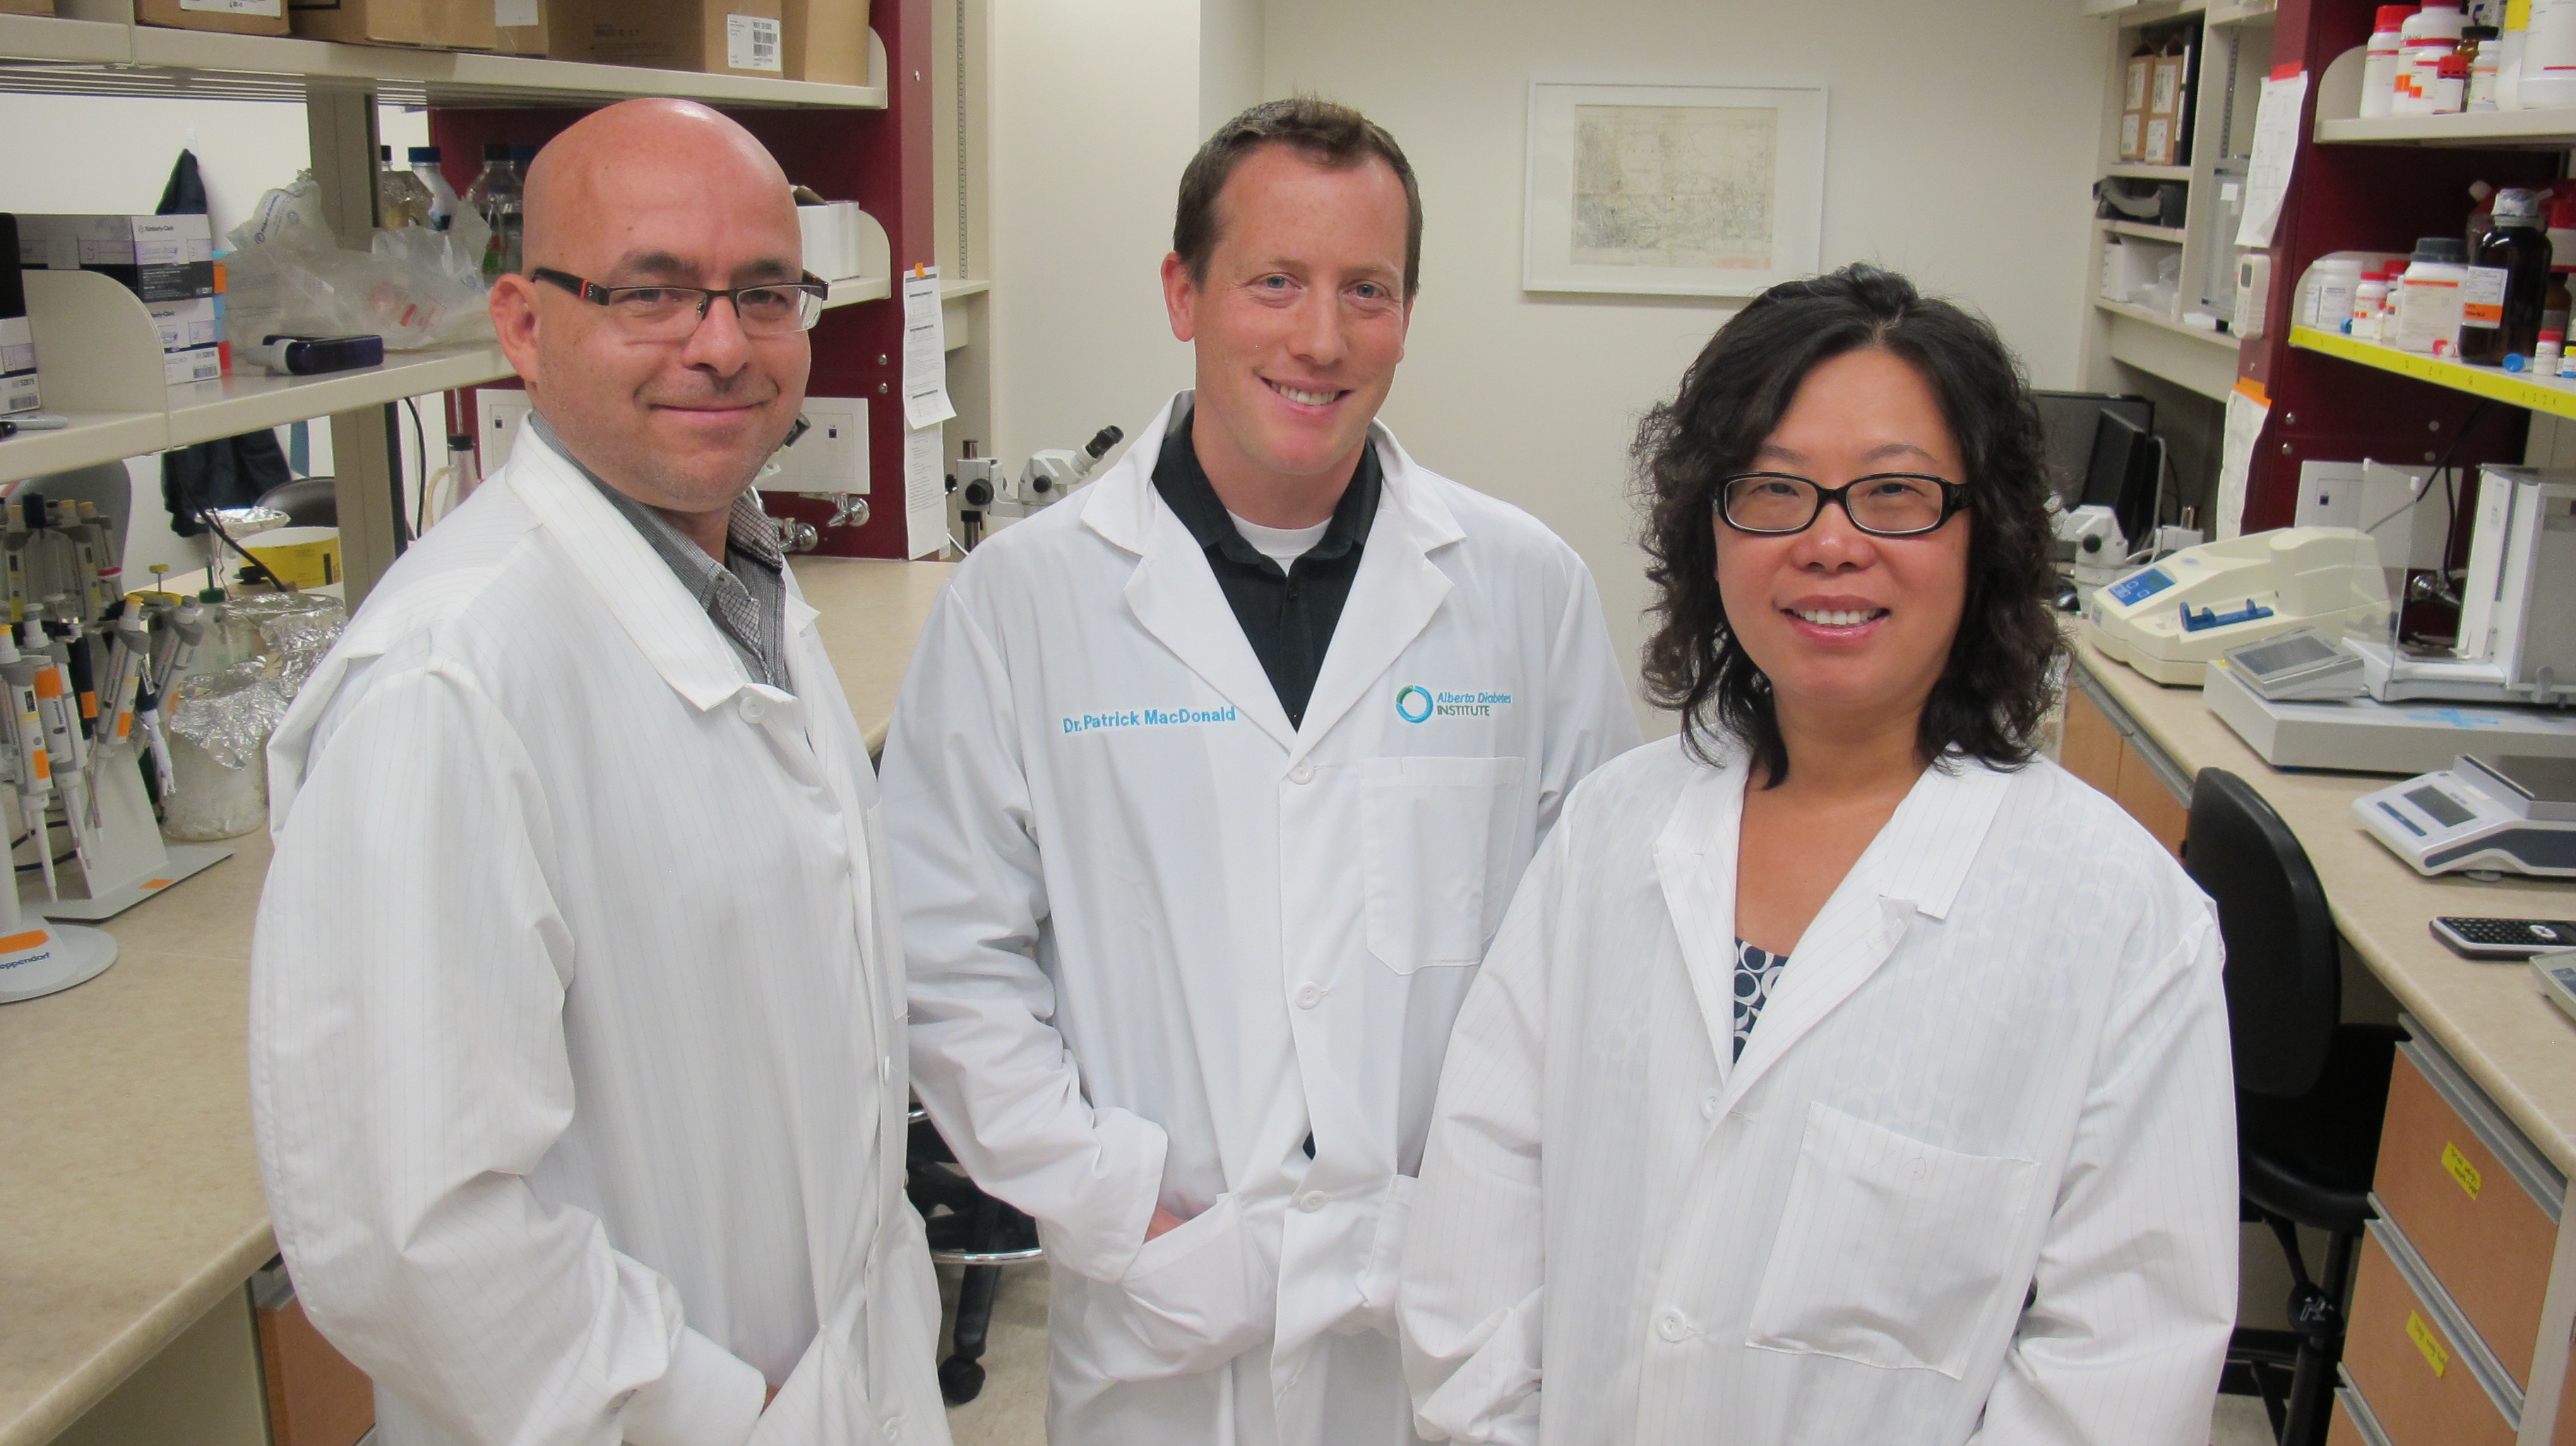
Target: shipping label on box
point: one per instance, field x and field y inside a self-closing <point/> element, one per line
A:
<point x="2133" y="135"/>
<point x="519" y="27"/>
<point x="17" y="344"/>
<point x="2160" y="140"/>
<point x="235" y="7"/>
<point x="188" y="323"/>
<point x="196" y="364"/>
<point x="2164" y="96"/>
<point x="240" y="17"/>
<point x="752" y="43"/>
<point x="18" y="393"/>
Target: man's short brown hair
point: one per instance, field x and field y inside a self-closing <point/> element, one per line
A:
<point x="1327" y="134"/>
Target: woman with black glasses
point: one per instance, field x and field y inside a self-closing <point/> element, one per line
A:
<point x="1843" y="1072"/>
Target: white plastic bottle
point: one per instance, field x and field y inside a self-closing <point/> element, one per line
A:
<point x="2428" y="306"/>
<point x="2549" y="57"/>
<point x="2429" y="34"/>
<point x="2369" y="299"/>
<point x="2380" y="62"/>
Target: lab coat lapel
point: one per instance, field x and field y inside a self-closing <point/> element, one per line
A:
<point x="666" y="625"/>
<point x="1173" y="593"/>
<point x="1912" y="869"/>
<point x="1695" y="863"/>
<point x="1393" y="597"/>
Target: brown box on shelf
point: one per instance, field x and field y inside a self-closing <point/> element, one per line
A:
<point x="241" y="17"/>
<point x="716" y="37"/>
<point x="26" y="7"/>
<point x="428" y="24"/>
<point x="519" y="27"/>
<point x="827" y="41"/>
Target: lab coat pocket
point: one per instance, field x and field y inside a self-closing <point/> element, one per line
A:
<point x="1196" y="1297"/>
<point x="1891" y="1252"/>
<point x="1438" y="836"/>
<point x="1386" y="1257"/>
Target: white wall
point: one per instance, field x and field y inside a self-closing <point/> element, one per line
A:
<point x="1960" y="146"/>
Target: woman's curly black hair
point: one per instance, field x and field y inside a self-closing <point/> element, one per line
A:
<point x="2001" y="677"/>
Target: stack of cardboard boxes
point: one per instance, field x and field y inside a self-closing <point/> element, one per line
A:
<point x="816" y="40"/>
<point x="2155" y="106"/>
<point x="168" y="262"/>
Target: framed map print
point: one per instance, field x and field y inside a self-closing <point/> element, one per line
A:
<point x="1673" y="190"/>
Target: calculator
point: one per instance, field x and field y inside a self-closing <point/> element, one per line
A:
<point x="2504" y="938"/>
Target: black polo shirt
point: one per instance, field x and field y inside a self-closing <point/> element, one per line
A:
<point x="1288" y="615"/>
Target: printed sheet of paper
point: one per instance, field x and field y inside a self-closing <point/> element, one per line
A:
<point x="925" y="497"/>
<point x="2276" y="145"/>
<point x="2245" y="418"/>
<point x="925" y="351"/>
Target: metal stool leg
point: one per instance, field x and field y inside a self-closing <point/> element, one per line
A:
<point x="961" y="1376"/>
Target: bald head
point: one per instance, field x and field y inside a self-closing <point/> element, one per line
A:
<point x="650" y="194"/>
<point x="641" y="151"/>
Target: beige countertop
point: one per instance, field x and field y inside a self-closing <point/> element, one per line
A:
<point x="129" y="1195"/>
<point x="2492" y="1018"/>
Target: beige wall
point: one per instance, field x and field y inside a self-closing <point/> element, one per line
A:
<point x="1959" y="148"/>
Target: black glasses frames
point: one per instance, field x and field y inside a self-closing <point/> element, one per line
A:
<point x="1883" y="504"/>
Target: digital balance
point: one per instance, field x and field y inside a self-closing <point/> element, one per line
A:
<point x="2504" y="814"/>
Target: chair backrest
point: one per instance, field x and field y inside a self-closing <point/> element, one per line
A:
<point x="2284" y="976"/>
<point x="306" y="501"/>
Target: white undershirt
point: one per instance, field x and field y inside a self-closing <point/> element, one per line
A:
<point x="1282" y="545"/>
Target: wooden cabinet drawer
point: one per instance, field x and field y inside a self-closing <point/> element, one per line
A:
<point x="2340" y="1431"/>
<point x="315" y="1397"/>
<point x="2469" y="1212"/>
<point x="2091" y="746"/>
<point x="2417" y="1377"/>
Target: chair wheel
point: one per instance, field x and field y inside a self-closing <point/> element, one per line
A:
<point x="960" y="1380"/>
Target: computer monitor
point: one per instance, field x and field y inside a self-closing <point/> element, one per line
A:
<point x="2124" y="473"/>
<point x="2069" y="420"/>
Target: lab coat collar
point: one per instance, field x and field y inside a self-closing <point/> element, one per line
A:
<point x="666" y="625"/>
<point x="1176" y="597"/>
<point x="1915" y="867"/>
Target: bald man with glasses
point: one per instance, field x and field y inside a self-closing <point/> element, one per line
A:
<point x="577" y="1050"/>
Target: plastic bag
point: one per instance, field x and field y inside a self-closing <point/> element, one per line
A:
<point x="414" y="287"/>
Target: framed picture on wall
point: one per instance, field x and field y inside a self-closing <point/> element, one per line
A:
<point x="1672" y="190"/>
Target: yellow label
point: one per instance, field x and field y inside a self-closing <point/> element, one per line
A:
<point x="2517" y="14"/>
<point x="2460" y="1168"/>
<point x="2427" y="1342"/>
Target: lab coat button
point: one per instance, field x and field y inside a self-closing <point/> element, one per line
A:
<point x="1672" y="1325"/>
<point x="1311" y="1201"/>
<point x="1309" y="994"/>
<point x="885" y="1070"/>
<point x="752" y="712"/>
<point x="1708" y="1104"/>
<point x="1302" y="773"/>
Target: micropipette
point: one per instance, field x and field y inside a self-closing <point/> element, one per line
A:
<point x="26" y="731"/>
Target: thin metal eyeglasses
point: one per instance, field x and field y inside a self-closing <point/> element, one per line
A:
<point x="1883" y="504"/>
<point x="667" y="313"/>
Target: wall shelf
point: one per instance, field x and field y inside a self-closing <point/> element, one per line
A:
<point x="2140" y="171"/>
<point x="40" y="54"/>
<point x="2171" y="235"/>
<point x="2190" y="358"/>
<point x="2517" y="389"/>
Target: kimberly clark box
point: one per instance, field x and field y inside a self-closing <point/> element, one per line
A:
<point x="183" y="324"/>
<point x="191" y="364"/>
<point x="158" y="258"/>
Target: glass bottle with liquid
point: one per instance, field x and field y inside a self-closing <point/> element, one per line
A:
<point x="401" y="200"/>
<point x="496" y="196"/>
<point x="2507" y="290"/>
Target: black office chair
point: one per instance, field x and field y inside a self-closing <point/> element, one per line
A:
<point x="971" y="1229"/>
<point x="306" y="501"/>
<point x="2310" y="1090"/>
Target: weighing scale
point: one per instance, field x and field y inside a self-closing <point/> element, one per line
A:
<point x="2499" y="813"/>
<point x="2359" y="734"/>
<point x="2558" y="977"/>
<point x="2171" y="620"/>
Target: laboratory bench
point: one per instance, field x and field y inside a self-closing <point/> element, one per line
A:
<point x="2461" y="1318"/>
<point x="131" y="1217"/>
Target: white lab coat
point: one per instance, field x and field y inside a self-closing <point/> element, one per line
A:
<point x="1156" y="935"/>
<point x="1995" y="1067"/>
<point x="577" y="1048"/>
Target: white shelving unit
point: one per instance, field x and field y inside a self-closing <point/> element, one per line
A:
<point x="99" y="355"/>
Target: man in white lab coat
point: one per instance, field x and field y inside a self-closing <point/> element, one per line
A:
<point x="1206" y="790"/>
<point x="577" y="1056"/>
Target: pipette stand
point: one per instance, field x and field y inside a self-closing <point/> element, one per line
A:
<point x="38" y="958"/>
<point x="124" y="860"/>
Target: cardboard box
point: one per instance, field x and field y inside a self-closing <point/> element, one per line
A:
<point x="26" y="7"/>
<point x="432" y="24"/>
<point x="241" y="17"/>
<point x="827" y="41"/>
<point x="182" y="324"/>
<point x="2159" y="149"/>
<point x="519" y="27"/>
<point x="158" y="258"/>
<point x="2133" y="135"/>
<point x="716" y="37"/>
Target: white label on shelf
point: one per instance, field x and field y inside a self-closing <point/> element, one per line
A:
<point x="271" y="8"/>
<point x="196" y="364"/>
<point x="18" y="393"/>
<point x="507" y="13"/>
<point x="751" y="43"/>
<point x="2482" y="296"/>
<point x="17" y="344"/>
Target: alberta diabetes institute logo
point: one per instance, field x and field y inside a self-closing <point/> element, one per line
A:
<point x="1415" y="704"/>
